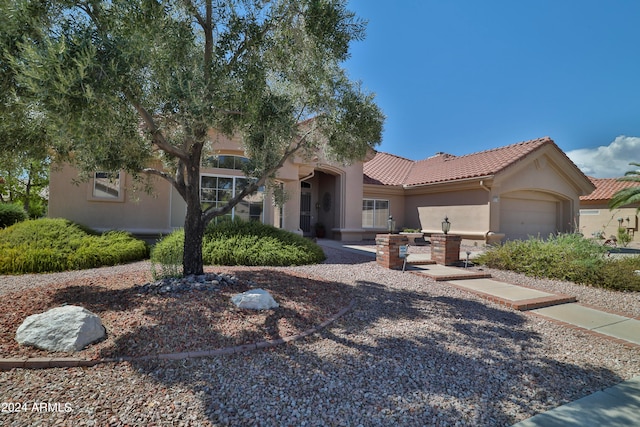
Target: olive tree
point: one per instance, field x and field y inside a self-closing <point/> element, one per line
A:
<point x="124" y="84"/>
<point x="24" y="156"/>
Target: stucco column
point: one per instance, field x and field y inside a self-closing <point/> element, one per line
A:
<point x="291" y="219"/>
<point x="388" y="250"/>
<point x="445" y="248"/>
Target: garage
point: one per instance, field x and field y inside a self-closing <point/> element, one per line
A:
<point x="521" y="218"/>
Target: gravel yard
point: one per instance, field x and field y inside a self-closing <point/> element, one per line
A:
<point x="410" y="352"/>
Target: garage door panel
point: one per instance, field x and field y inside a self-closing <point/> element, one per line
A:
<point x="521" y="218"/>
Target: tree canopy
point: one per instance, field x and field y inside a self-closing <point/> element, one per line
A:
<point x="118" y="83"/>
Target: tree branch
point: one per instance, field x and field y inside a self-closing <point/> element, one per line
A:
<point x="158" y="138"/>
<point x="161" y="174"/>
<point x="164" y="175"/>
<point x="194" y="11"/>
<point x="247" y="43"/>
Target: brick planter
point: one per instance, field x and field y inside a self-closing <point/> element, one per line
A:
<point x="445" y="248"/>
<point x="388" y="250"/>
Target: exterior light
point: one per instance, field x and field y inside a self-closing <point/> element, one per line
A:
<point x="446" y="225"/>
<point x="619" y="222"/>
<point x="391" y="224"/>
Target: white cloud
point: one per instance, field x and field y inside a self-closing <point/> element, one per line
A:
<point x="608" y="161"/>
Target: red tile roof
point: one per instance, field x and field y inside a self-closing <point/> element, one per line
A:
<point x="386" y="169"/>
<point x="606" y="188"/>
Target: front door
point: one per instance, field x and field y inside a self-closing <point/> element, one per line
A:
<point x="305" y="209"/>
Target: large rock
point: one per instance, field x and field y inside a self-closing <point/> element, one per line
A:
<point x="67" y="328"/>
<point x="255" y="299"/>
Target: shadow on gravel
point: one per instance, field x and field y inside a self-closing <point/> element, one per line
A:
<point x="149" y="324"/>
<point x="98" y="298"/>
<point x="398" y="358"/>
<point x="347" y="257"/>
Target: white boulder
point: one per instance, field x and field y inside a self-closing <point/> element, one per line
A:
<point x="255" y="299"/>
<point x="67" y="328"/>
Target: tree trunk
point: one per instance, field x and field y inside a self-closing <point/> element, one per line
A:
<point x="27" y="193"/>
<point x="194" y="223"/>
<point x="193" y="233"/>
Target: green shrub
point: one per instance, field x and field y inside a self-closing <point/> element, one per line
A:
<point x="623" y="237"/>
<point x="620" y="274"/>
<point x="49" y="245"/>
<point x="238" y="243"/>
<point x="253" y="243"/>
<point x="565" y="257"/>
<point x="166" y="256"/>
<point x="10" y="214"/>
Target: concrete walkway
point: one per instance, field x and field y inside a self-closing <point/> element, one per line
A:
<point x="616" y="406"/>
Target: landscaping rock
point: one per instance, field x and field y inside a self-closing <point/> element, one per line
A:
<point x="255" y="299"/>
<point x="67" y="328"/>
<point x="172" y="286"/>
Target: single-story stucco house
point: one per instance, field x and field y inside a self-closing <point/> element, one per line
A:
<point x="597" y="220"/>
<point x="528" y="188"/>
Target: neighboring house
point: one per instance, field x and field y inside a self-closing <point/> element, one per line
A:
<point x="597" y="220"/>
<point x="529" y="188"/>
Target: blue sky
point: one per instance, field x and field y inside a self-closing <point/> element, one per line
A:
<point x="462" y="76"/>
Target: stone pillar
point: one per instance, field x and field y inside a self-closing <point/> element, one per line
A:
<point x="445" y="248"/>
<point x="388" y="250"/>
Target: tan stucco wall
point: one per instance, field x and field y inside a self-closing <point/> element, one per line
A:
<point x="395" y="196"/>
<point x="596" y="218"/>
<point x="137" y="212"/>
<point x="467" y="210"/>
<point x="544" y="177"/>
<point x="466" y="206"/>
<point x="351" y="199"/>
<point x="469" y="221"/>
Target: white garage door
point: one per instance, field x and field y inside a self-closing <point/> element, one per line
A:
<point x="521" y="218"/>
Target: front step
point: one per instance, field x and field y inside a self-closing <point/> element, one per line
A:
<point x="517" y="297"/>
<point x="480" y="283"/>
<point x="443" y="273"/>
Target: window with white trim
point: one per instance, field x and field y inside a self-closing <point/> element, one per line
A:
<point x="217" y="190"/>
<point x="107" y="186"/>
<point x="375" y="213"/>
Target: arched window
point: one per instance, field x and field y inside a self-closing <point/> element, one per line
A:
<point x="224" y="161"/>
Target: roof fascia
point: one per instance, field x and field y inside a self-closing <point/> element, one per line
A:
<point x="560" y="164"/>
<point x="393" y="190"/>
<point x="448" y="184"/>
